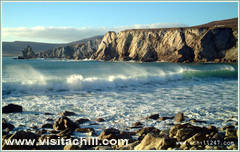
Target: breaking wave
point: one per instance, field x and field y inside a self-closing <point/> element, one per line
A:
<point x="28" y="79"/>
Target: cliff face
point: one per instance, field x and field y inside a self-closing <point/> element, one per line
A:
<point x="213" y="42"/>
<point x="77" y="50"/>
<point x="170" y="45"/>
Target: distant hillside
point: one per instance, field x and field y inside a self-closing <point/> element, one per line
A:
<point x="14" y="48"/>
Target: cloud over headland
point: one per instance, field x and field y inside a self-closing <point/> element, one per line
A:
<point x="68" y="34"/>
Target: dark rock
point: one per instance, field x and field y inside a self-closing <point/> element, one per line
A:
<point x="197" y="121"/>
<point x="85" y="130"/>
<point x="100" y="120"/>
<point x="228" y="127"/>
<point x="34" y="127"/>
<point x="63" y="123"/>
<point x="20" y="135"/>
<point x="47" y="113"/>
<point x="137" y="125"/>
<point x="41" y="132"/>
<point x="184" y="131"/>
<point x="12" y="108"/>
<point x="49" y="119"/>
<point x="82" y="120"/>
<point x="47" y="126"/>
<point x="143" y="131"/>
<point x="67" y="132"/>
<point x="54" y="131"/>
<point x="212" y="129"/>
<point x="231" y="133"/>
<point x="154" y="117"/>
<point x="93" y="124"/>
<point x="179" y="117"/>
<point x="6" y="125"/>
<point x="67" y="113"/>
<point x="112" y="133"/>
<point x="164" y="118"/>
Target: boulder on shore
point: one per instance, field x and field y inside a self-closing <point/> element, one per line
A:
<point x="179" y="117"/>
<point x="63" y="123"/>
<point x="154" y="142"/>
<point x="20" y="135"/>
<point x="12" y="108"/>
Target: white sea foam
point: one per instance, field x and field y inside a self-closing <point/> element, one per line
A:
<point x="121" y="93"/>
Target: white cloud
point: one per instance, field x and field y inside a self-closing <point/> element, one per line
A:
<point x="68" y="34"/>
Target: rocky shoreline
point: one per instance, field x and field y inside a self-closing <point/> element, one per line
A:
<point x="184" y="134"/>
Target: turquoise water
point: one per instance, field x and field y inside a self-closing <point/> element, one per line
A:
<point x="120" y="92"/>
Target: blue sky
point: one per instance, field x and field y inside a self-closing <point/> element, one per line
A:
<point x="27" y="21"/>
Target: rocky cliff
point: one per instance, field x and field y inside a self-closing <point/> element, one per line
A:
<point x="76" y="50"/>
<point x="213" y="42"/>
<point x="27" y="53"/>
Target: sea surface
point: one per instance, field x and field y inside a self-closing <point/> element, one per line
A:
<point x="120" y="92"/>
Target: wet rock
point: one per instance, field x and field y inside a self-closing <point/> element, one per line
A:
<point x="20" y="135"/>
<point x="99" y="120"/>
<point x="82" y="120"/>
<point x="137" y="125"/>
<point x="228" y="127"/>
<point x="113" y="133"/>
<point x="86" y="130"/>
<point x="4" y="133"/>
<point x="49" y="119"/>
<point x="151" y="141"/>
<point x="63" y="123"/>
<point x="154" y="117"/>
<point x="72" y="147"/>
<point x="143" y="131"/>
<point x="196" y="139"/>
<point x="65" y="133"/>
<point x="197" y="121"/>
<point x="184" y="131"/>
<point x="67" y="113"/>
<point x="41" y="132"/>
<point x="231" y="133"/>
<point x="179" y="117"/>
<point x="6" y="125"/>
<point x="212" y="129"/>
<point x="164" y="118"/>
<point x="34" y="127"/>
<point x="47" y="126"/>
<point x="12" y="108"/>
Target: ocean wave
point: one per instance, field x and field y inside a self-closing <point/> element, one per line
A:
<point x="31" y="79"/>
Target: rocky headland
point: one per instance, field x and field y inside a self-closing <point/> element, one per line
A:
<point x="184" y="134"/>
<point x="82" y="49"/>
<point x="213" y="42"/>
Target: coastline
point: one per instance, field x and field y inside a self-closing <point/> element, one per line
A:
<point x="183" y="134"/>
